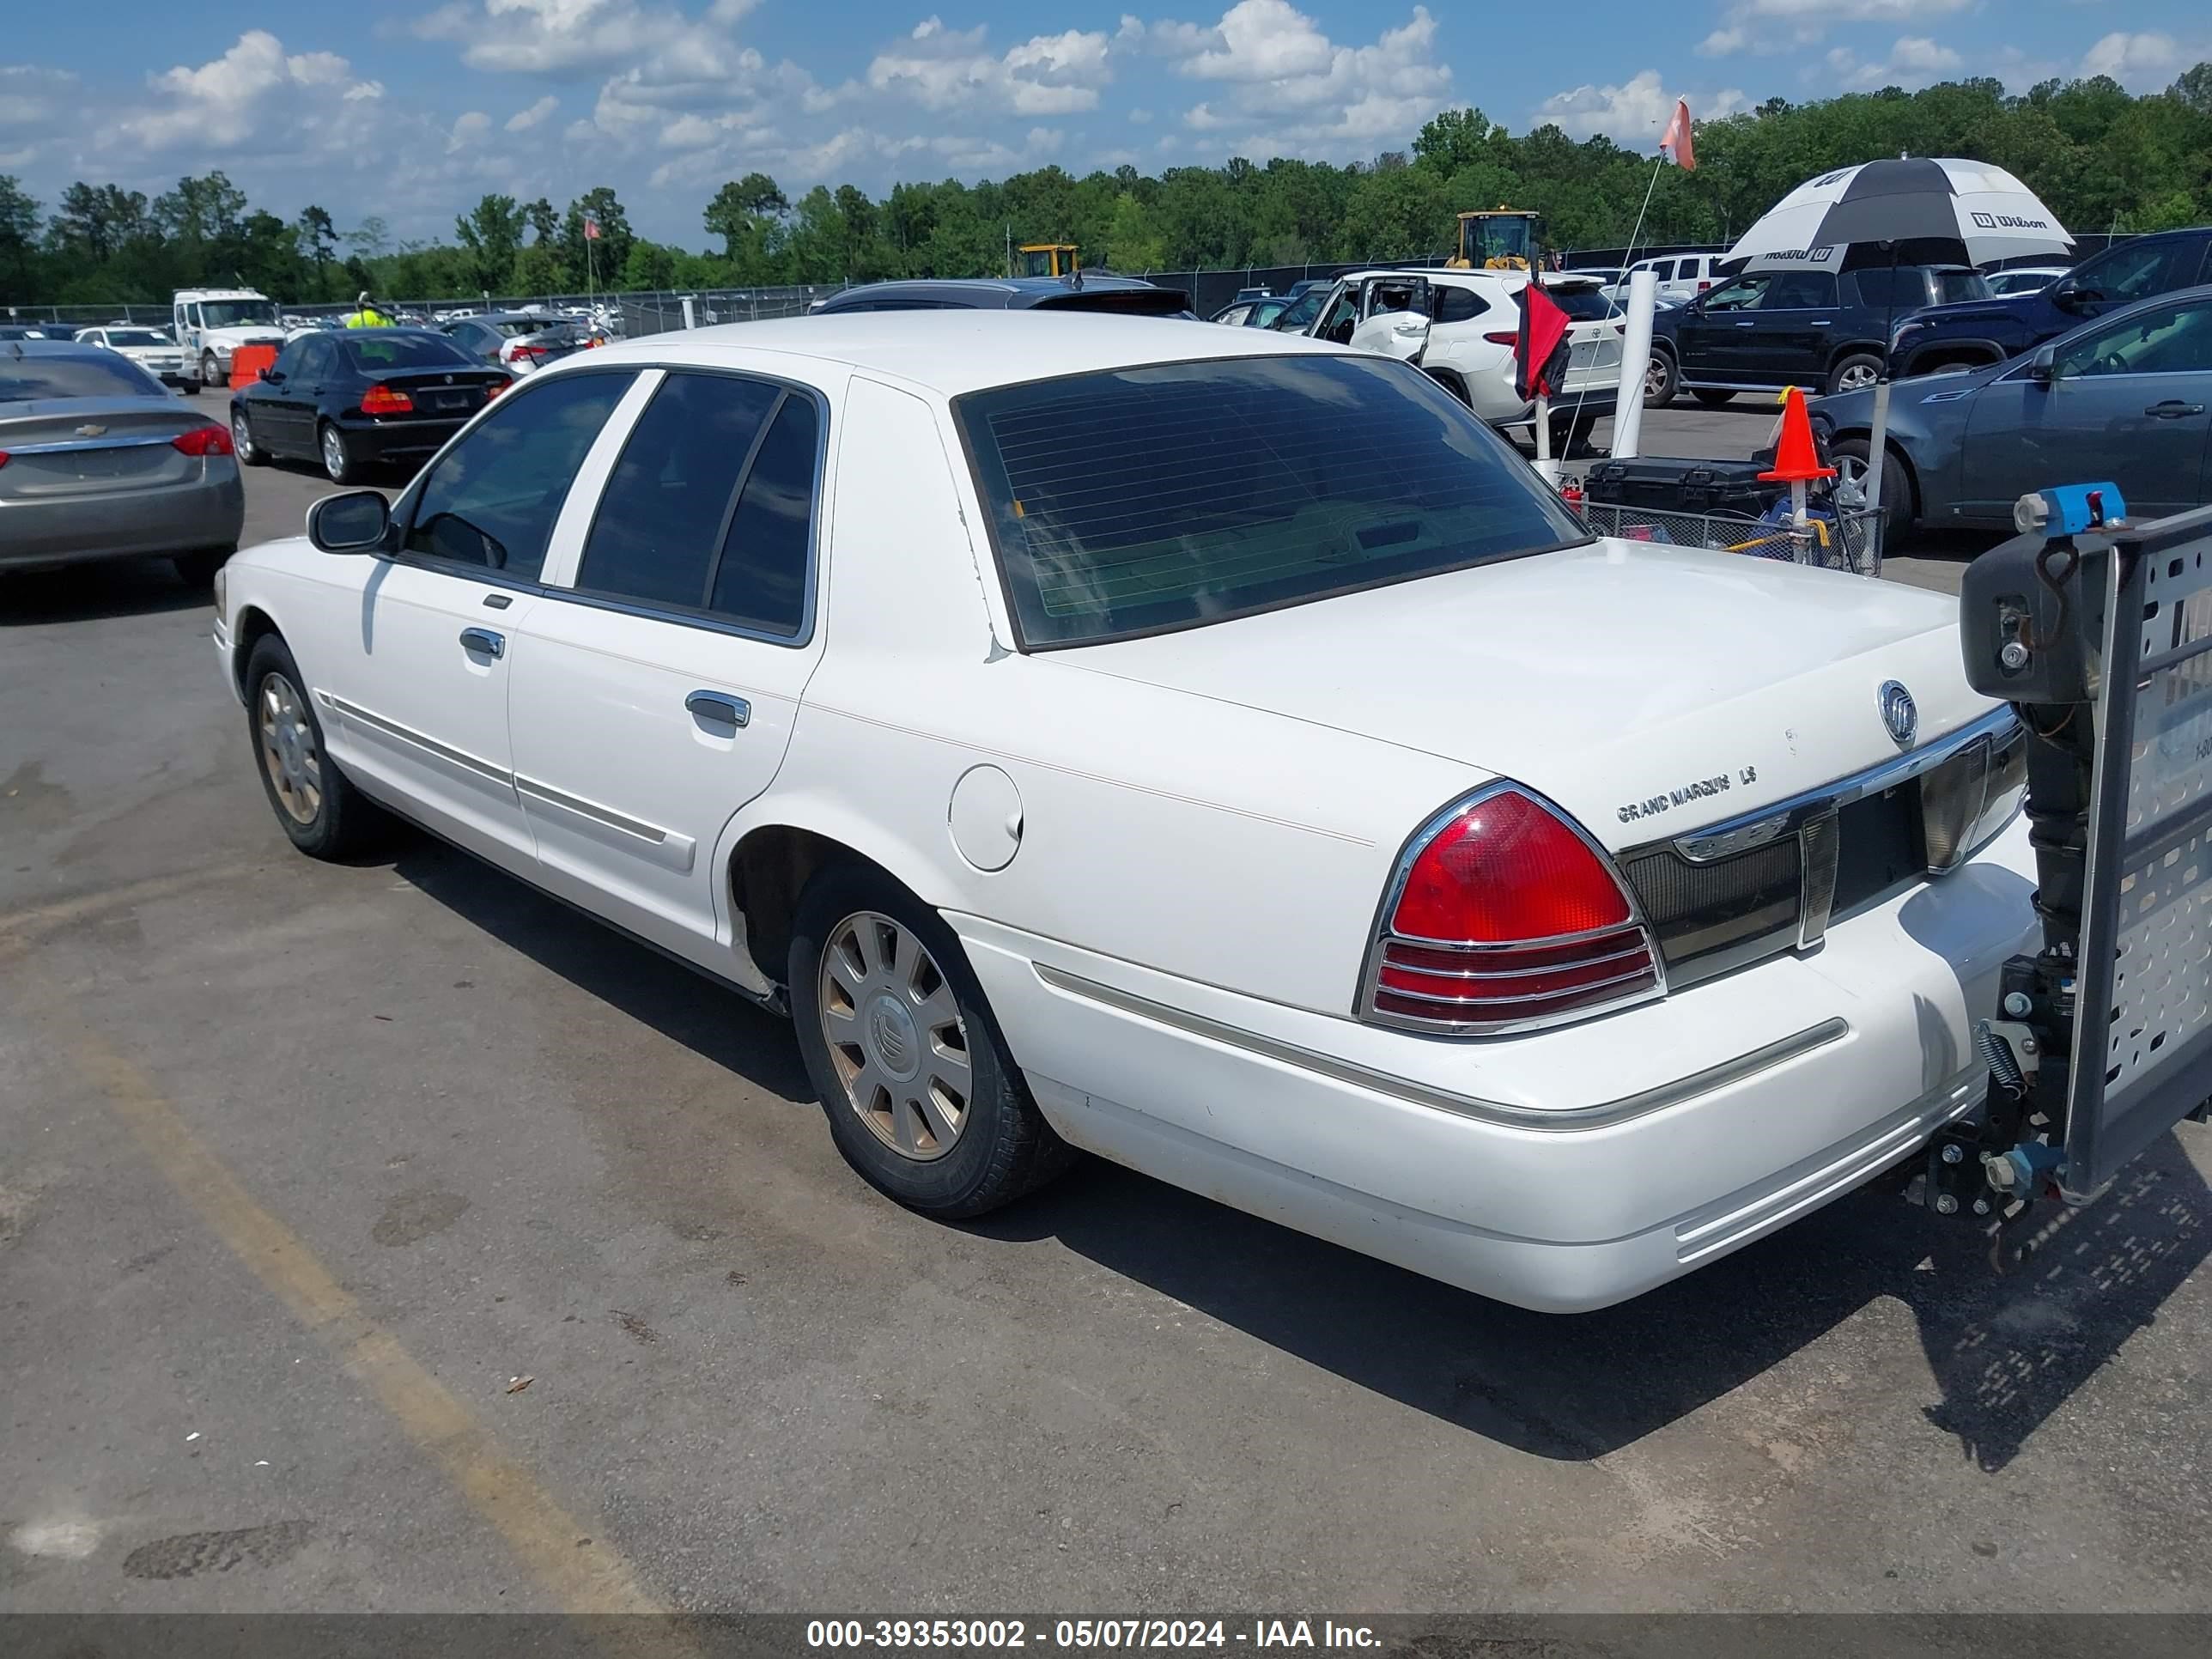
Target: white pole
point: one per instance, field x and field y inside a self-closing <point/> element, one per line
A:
<point x="690" y="317"/>
<point x="1877" y="450"/>
<point x="1545" y="464"/>
<point x="1635" y="365"/>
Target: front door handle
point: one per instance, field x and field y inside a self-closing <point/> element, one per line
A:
<point x="2173" y="409"/>
<point x="1747" y="324"/>
<point x="719" y="706"/>
<point x="483" y="641"/>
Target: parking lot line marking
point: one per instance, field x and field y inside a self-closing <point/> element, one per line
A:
<point x="568" y="1557"/>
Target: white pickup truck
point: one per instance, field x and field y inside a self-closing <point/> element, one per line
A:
<point x="210" y="323"/>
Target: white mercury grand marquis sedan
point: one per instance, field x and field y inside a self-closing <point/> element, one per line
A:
<point x="1211" y="750"/>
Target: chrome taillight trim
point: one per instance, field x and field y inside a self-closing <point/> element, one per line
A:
<point x="1365" y="1005"/>
<point x="1642" y="973"/>
<point x="1639" y="949"/>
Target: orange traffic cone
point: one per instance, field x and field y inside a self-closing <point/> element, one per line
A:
<point x="1796" y="458"/>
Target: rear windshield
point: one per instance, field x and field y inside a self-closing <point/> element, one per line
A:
<point x="383" y="351"/>
<point x="1954" y="286"/>
<point x="138" y="336"/>
<point x="1144" y="500"/>
<point x="104" y="376"/>
<point x="515" y="327"/>
<point x="1129" y="301"/>
<point x="1584" y="305"/>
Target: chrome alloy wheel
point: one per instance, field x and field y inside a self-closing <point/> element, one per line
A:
<point x="289" y="751"/>
<point x="1857" y="377"/>
<point x="241" y="435"/>
<point x="895" y="1036"/>
<point x="334" y="453"/>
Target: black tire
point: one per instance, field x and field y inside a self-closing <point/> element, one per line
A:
<point x="252" y="451"/>
<point x="210" y="372"/>
<point x="1854" y="371"/>
<point x="1003" y="1147"/>
<point x="345" y="821"/>
<point x="191" y="387"/>
<point x="1897" y="515"/>
<point x="1713" y="397"/>
<point x="340" y="465"/>
<point x="1662" y="383"/>
<point x="196" y="568"/>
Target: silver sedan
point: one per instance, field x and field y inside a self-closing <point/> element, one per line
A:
<point x="97" y="460"/>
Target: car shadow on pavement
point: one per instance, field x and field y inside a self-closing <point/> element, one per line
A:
<point x="2005" y="1352"/>
<point x="94" y="592"/>
<point x="711" y="1020"/>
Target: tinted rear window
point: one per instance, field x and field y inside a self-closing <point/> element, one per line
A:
<point x="1584" y="305"/>
<point x="1954" y="286"/>
<point x="403" y="351"/>
<point x="1137" y="302"/>
<point x="1168" y="496"/>
<point x="104" y="376"/>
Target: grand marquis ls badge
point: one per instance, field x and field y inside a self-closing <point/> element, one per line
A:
<point x="1898" y="713"/>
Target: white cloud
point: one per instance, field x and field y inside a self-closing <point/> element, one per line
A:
<point x="1634" y="113"/>
<point x="523" y="119"/>
<point x="575" y="37"/>
<point x="222" y="105"/>
<point x="468" y="128"/>
<point x="360" y="91"/>
<point x="943" y="68"/>
<point x="33" y="96"/>
<point x="1913" y="61"/>
<point x="2141" y="62"/>
<point x="1288" y="89"/>
<point x="1771" y="25"/>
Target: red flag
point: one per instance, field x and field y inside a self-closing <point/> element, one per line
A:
<point x="591" y="228"/>
<point x="1677" y="142"/>
<point x="1542" y="349"/>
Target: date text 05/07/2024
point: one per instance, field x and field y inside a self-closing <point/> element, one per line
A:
<point x="1008" y="1634"/>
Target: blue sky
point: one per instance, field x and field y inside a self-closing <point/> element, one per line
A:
<point x="412" y="111"/>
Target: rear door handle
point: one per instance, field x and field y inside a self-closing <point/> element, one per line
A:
<point x="483" y="641"/>
<point x="719" y="706"/>
<point x="2173" y="409"/>
<point x="1747" y="324"/>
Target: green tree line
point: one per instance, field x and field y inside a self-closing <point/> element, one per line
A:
<point x="2103" y="159"/>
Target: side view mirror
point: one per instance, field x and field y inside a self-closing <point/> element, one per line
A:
<point x="354" y="522"/>
<point x="2068" y="296"/>
<point x="2042" y="366"/>
<point x="273" y="376"/>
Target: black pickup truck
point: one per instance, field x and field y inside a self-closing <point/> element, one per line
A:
<point x="1951" y="337"/>
<point x="1793" y="325"/>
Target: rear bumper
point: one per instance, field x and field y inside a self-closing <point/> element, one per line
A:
<point x="1563" y="1171"/>
<point x="375" y="441"/>
<point x="207" y="511"/>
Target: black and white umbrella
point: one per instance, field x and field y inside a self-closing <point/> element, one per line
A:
<point x="1979" y="210"/>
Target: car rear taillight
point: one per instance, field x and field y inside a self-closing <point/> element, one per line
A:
<point x="204" y="440"/>
<point x="530" y="351"/>
<point x="493" y="390"/>
<point x="3" y="458"/>
<point x="1508" y="338"/>
<point x="1506" y="916"/>
<point x="383" y="400"/>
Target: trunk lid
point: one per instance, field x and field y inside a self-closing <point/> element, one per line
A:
<point x="1647" y="689"/>
<point x="442" y="392"/>
<point x="95" y="446"/>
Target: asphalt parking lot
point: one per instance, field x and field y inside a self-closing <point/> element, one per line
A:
<point x="304" y="1169"/>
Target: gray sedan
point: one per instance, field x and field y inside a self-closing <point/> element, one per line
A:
<point x="2122" y="399"/>
<point x="99" y="461"/>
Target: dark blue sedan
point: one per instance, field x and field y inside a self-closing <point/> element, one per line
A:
<point x="2122" y="399"/>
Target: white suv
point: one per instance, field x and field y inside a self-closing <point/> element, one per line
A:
<point x="1682" y="277"/>
<point x="1460" y="327"/>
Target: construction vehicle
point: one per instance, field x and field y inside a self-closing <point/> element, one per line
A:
<point x="1503" y="239"/>
<point x="1048" y="259"/>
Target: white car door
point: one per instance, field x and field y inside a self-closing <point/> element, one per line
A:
<point x="418" y="697"/>
<point x="1393" y="317"/>
<point x="656" y="686"/>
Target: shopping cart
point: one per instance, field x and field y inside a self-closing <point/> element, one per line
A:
<point x="1849" y="539"/>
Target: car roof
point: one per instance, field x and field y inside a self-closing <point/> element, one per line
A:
<point x="994" y="293"/>
<point x="953" y="352"/>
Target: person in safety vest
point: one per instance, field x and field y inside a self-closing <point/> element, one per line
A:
<point x="365" y="315"/>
